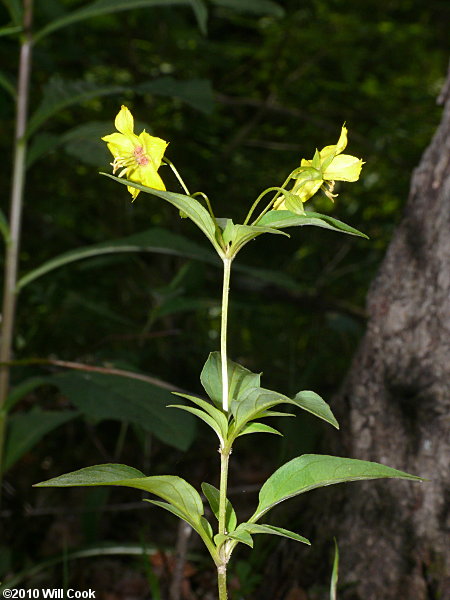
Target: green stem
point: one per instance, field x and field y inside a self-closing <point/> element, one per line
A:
<point x="224" y="458"/>
<point x="222" y="582"/>
<point x="280" y="190"/>
<point x="258" y="200"/>
<point x="223" y="330"/>
<point x="15" y="220"/>
<point x="208" y="204"/>
<point x="177" y="175"/>
<point x="225" y="449"/>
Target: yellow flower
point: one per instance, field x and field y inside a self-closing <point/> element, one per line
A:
<point x="137" y="156"/>
<point x="327" y="166"/>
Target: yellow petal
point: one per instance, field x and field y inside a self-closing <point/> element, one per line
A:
<point x="134" y="192"/>
<point x="119" y="144"/>
<point x="306" y="189"/>
<point x="280" y="204"/>
<point x="342" y="142"/>
<point x="154" y="148"/>
<point x="338" y="148"/>
<point x="124" y="121"/>
<point x="344" y="168"/>
<point x="149" y="177"/>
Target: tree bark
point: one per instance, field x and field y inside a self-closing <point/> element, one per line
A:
<point x="395" y="535"/>
<point x="394" y="408"/>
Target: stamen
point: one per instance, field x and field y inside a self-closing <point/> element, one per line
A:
<point x="141" y="158"/>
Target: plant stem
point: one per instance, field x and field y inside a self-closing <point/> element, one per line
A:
<point x="225" y="449"/>
<point x="222" y="582"/>
<point x="15" y="219"/>
<point x="223" y="330"/>
<point x="224" y="458"/>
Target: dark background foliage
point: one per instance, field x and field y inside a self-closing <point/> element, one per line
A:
<point x="259" y="90"/>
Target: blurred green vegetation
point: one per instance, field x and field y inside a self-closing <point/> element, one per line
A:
<point x="240" y="106"/>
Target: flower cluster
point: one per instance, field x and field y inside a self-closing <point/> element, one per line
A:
<point x="138" y="158"/>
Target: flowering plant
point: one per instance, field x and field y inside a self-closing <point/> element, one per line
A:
<point x="236" y="403"/>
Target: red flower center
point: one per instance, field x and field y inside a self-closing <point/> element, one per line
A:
<point x="141" y="158"/>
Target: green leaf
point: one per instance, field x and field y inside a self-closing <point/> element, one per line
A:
<point x="8" y="85"/>
<point x="217" y="415"/>
<point x="259" y="7"/>
<point x="207" y="528"/>
<point x="22" y="389"/>
<point x="157" y="240"/>
<point x="334" y="575"/>
<point x="258" y="428"/>
<point x="239" y="378"/>
<point x="166" y="506"/>
<point x="202" y="526"/>
<point x="201" y="415"/>
<point x="312" y="471"/>
<point x="252" y="403"/>
<point x="15" y="9"/>
<point x="25" y="430"/>
<point x="4" y="227"/>
<point x="255" y="528"/>
<point x="242" y="234"/>
<point x="59" y="94"/>
<point x="102" y="397"/>
<point x="274" y="413"/>
<point x="228" y="231"/>
<point x="314" y="404"/>
<point x="220" y="538"/>
<point x="188" y="205"/>
<point x="103" y="7"/>
<point x="42" y="144"/>
<point x="89" y="551"/>
<point x="212" y="494"/>
<point x="279" y="219"/>
<point x="240" y="535"/>
<point x="83" y="142"/>
<point x="198" y="93"/>
<point x="176" y="491"/>
<point x="10" y="30"/>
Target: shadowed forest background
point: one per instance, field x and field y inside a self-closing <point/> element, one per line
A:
<point x="242" y="92"/>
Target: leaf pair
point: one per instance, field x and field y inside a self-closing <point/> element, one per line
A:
<point x="296" y="477"/>
<point x="247" y="400"/>
<point x="229" y="238"/>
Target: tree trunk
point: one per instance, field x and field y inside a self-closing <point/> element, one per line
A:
<point x="394" y="409"/>
<point x="395" y="535"/>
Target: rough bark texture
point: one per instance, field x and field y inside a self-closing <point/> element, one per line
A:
<point x="397" y="398"/>
<point x="394" y="409"/>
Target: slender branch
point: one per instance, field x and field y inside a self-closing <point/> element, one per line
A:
<point x="18" y="182"/>
<point x="65" y="364"/>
